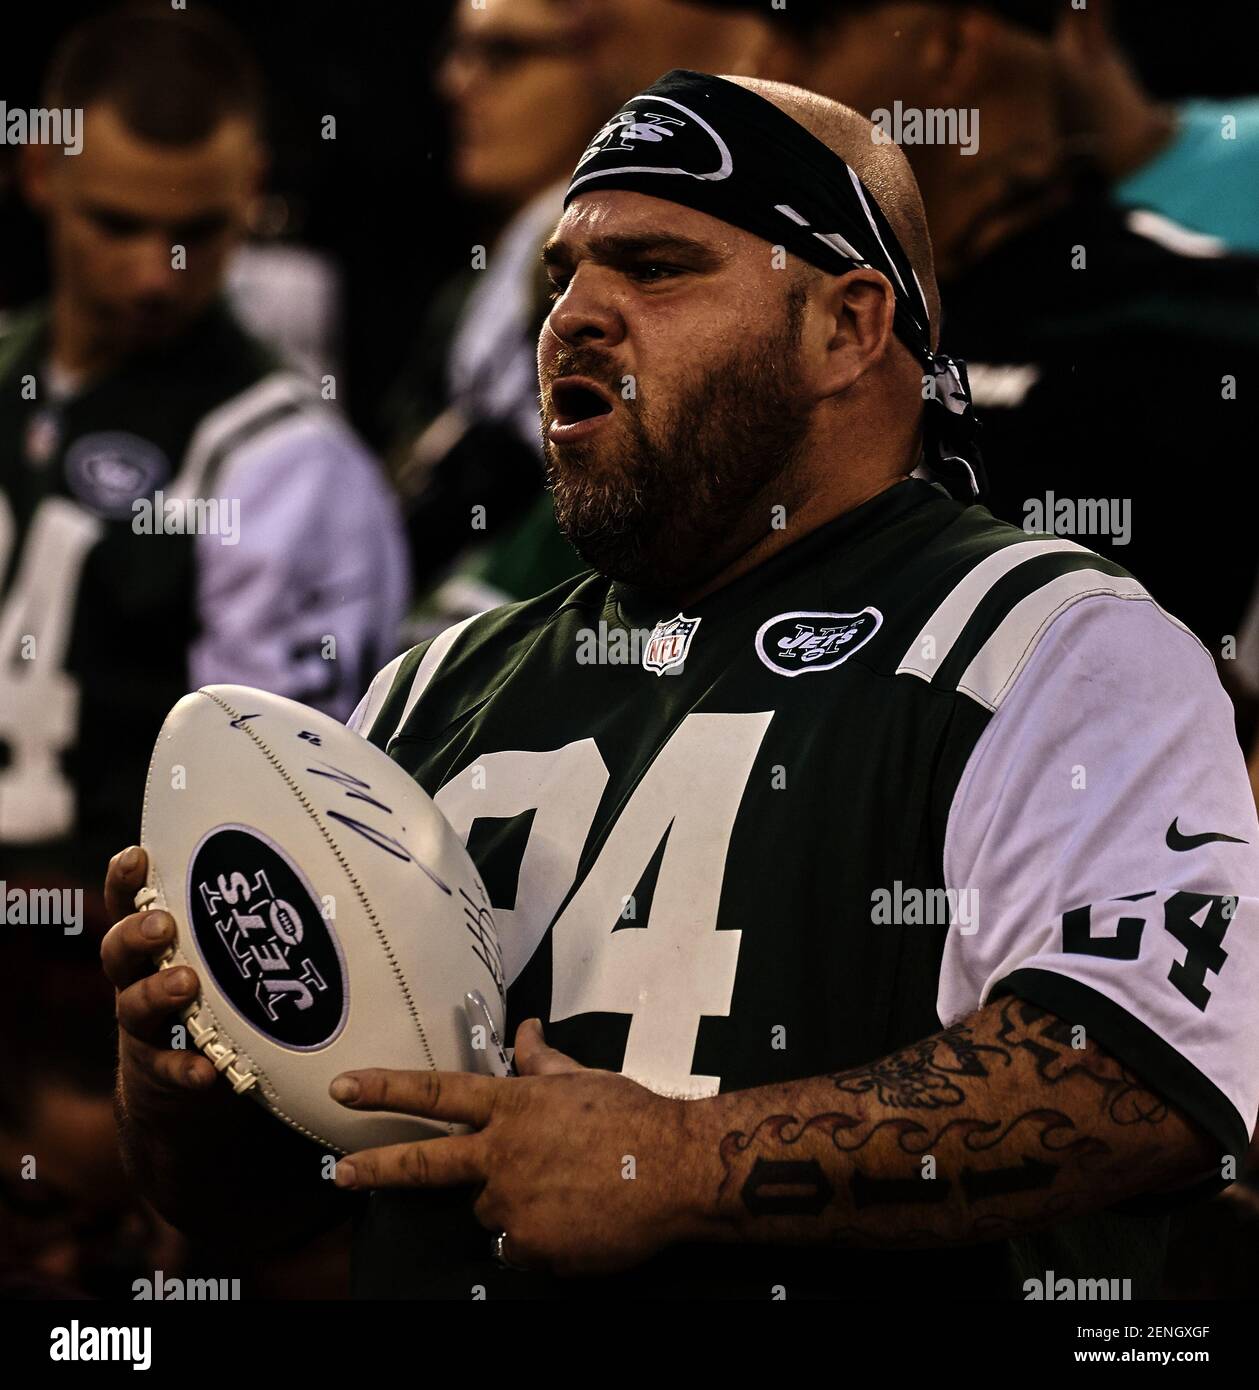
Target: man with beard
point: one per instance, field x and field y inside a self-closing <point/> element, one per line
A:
<point x="882" y="913"/>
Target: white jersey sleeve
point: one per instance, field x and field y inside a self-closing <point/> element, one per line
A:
<point x="428" y="656"/>
<point x="365" y="712"/>
<point x="310" y="596"/>
<point x="1105" y="831"/>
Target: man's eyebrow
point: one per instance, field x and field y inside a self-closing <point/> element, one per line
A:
<point x="103" y="212"/>
<point x="617" y="248"/>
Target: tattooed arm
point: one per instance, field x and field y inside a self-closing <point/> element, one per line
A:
<point x="1020" y="1128"/>
<point x="995" y="1126"/>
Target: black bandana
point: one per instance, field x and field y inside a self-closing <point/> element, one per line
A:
<point x="721" y="149"/>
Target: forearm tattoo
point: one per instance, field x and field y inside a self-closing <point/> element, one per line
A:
<point x="996" y="1125"/>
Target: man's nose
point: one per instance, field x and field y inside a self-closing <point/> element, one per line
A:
<point x="152" y="265"/>
<point x="588" y="311"/>
<point x="456" y="78"/>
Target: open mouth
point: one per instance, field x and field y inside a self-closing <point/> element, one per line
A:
<point x="574" y="400"/>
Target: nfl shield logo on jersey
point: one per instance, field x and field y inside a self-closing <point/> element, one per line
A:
<point x="794" y="643"/>
<point x="669" y="643"/>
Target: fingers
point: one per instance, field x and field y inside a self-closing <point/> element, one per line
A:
<point x="148" y="1008"/>
<point x="166" y="1068"/>
<point x="129" y="947"/>
<point x="149" y="1000"/>
<point x="124" y="879"/>
<point x="534" y="1057"/>
<point x="437" y="1095"/>
<point x="452" y="1162"/>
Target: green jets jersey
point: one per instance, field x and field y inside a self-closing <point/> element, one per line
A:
<point x="809" y="819"/>
<point x="78" y="720"/>
<point x="194" y="514"/>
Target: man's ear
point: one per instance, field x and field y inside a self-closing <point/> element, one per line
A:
<point x="256" y="179"/>
<point x="753" y="45"/>
<point x="859" y="308"/>
<point x="957" y="52"/>
<point x="1083" y="36"/>
<point x="770" y="56"/>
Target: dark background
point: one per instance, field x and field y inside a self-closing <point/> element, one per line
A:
<point x="376" y="198"/>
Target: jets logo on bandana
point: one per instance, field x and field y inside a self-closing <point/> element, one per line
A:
<point x="669" y="643"/>
<point x="793" y="644"/>
<point x="654" y="135"/>
<point x="625" y="128"/>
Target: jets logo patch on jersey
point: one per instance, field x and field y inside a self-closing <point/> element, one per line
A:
<point x="669" y="643"/>
<point x="795" y="643"/>
<point x="109" y="471"/>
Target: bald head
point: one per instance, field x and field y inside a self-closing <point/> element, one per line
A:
<point x="883" y="169"/>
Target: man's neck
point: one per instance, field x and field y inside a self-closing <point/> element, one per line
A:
<point x="75" y="348"/>
<point x="818" y="510"/>
<point x="1127" y="125"/>
<point x="1130" y="143"/>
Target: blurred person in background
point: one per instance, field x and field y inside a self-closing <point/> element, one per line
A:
<point x="288" y="296"/>
<point x="132" y="388"/>
<point x="463" y="414"/>
<point x="1112" y="356"/>
<point x="525" y="81"/>
<point x="1195" y="160"/>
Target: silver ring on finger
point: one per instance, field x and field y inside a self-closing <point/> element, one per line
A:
<point x="497" y="1249"/>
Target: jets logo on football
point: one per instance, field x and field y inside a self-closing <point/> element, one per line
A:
<point x="259" y="926"/>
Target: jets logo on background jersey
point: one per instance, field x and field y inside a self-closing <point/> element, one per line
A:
<point x="669" y="643"/>
<point x="794" y="643"/>
<point x="108" y="471"/>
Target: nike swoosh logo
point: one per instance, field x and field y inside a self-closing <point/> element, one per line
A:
<point x="1178" y="841"/>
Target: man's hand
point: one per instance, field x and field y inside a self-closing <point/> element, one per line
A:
<point x="582" y="1169"/>
<point x="152" y="1074"/>
<point x="195" y="1149"/>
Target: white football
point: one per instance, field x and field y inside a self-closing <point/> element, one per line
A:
<point x="332" y="915"/>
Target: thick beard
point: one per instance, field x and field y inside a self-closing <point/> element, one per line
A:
<point x="675" y="504"/>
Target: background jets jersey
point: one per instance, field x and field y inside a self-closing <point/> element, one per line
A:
<point x="729" y="872"/>
<point x="108" y="615"/>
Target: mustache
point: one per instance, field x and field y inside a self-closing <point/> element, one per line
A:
<point x="591" y="362"/>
